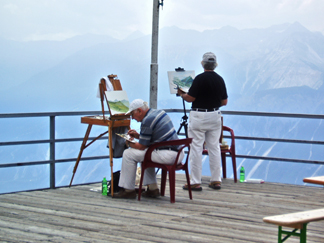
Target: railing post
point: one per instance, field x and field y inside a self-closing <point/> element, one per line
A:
<point x="52" y="152"/>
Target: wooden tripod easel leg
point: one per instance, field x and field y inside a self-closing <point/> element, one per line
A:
<point x="83" y="146"/>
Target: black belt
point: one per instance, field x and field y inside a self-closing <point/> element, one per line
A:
<point x="172" y="149"/>
<point x="205" y="110"/>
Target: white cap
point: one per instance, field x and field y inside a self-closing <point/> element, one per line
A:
<point x="138" y="103"/>
<point x="209" y="57"/>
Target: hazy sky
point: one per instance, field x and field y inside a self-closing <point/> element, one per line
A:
<point x="61" y="19"/>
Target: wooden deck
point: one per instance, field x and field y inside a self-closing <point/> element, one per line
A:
<point x="233" y="214"/>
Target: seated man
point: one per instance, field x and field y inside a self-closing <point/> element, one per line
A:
<point x="156" y="126"/>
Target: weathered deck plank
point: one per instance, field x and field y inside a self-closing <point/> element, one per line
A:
<point x="233" y="214"/>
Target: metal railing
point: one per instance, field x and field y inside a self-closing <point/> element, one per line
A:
<point x="281" y="115"/>
<point x="52" y="141"/>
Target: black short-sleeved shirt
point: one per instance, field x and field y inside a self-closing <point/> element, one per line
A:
<point x="209" y="90"/>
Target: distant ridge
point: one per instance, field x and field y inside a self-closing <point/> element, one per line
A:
<point x="250" y="61"/>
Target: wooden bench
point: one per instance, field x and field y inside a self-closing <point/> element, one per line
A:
<point x="295" y="220"/>
<point x="319" y="180"/>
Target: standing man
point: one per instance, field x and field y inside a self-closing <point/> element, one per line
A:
<point x="156" y="126"/>
<point x="207" y="94"/>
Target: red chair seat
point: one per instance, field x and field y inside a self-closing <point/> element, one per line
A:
<point x="230" y="150"/>
<point x="172" y="168"/>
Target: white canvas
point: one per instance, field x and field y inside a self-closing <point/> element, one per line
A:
<point x="181" y="79"/>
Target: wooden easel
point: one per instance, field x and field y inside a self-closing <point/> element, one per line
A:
<point x="119" y="120"/>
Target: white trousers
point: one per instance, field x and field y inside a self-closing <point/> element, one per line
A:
<point x="205" y="127"/>
<point x="129" y="165"/>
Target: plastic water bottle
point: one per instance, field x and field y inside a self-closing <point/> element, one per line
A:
<point x="257" y="181"/>
<point x="104" y="189"/>
<point x="242" y="174"/>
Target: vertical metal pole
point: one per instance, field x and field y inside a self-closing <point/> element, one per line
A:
<point x="279" y="234"/>
<point x="154" y="55"/>
<point x="303" y="233"/>
<point x="52" y="152"/>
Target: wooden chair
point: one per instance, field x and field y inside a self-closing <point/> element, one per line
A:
<point x="172" y="168"/>
<point x="227" y="149"/>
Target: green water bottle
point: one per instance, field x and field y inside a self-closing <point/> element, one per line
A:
<point x="104" y="188"/>
<point x="242" y="174"/>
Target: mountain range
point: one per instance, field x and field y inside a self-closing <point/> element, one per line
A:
<point x="255" y="63"/>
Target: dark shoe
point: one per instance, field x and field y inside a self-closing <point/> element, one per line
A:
<point x="151" y="193"/>
<point x="126" y="195"/>
<point x="215" y="185"/>
<point x="194" y="187"/>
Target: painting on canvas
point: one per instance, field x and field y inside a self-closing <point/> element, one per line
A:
<point x="181" y="79"/>
<point x="118" y="102"/>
